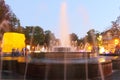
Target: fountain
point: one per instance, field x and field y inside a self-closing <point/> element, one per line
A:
<point x="63" y="63"/>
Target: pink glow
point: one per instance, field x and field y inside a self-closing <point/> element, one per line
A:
<point x="64" y="31"/>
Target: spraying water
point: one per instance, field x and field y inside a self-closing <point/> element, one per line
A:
<point x="97" y="52"/>
<point x="27" y="56"/>
<point x="64" y="31"/>
<point x="4" y="27"/>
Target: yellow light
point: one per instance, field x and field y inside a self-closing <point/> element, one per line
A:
<point x="89" y="48"/>
<point x="101" y="60"/>
<point x="12" y="40"/>
<point x="101" y="50"/>
<point x="116" y="41"/>
<point x="99" y="38"/>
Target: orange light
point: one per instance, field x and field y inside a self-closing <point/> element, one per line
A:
<point x="89" y="48"/>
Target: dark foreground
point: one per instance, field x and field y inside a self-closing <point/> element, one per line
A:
<point x="10" y="76"/>
<point x="14" y="69"/>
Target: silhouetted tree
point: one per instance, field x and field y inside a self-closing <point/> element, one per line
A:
<point x="8" y="20"/>
<point x="81" y="41"/>
<point x="4" y="11"/>
<point x="91" y="37"/>
<point x="49" y="36"/>
<point x="73" y="37"/>
<point x="4" y="17"/>
<point x="14" y="23"/>
<point x="34" y="35"/>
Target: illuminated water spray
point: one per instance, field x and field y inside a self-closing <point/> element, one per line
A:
<point x="64" y="31"/>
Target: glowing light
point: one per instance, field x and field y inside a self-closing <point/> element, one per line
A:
<point x="99" y="38"/>
<point x="116" y="41"/>
<point x="64" y="30"/>
<point x="12" y="40"/>
<point x="101" y="50"/>
<point x="101" y="60"/>
<point x="43" y="49"/>
<point x="37" y="51"/>
<point x="28" y="47"/>
<point x="89" y="48"/>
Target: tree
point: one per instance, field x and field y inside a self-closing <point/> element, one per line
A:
<point x="4" y="11"/>
<point x="14" y="23"/>
<point x="73" y="37"/>
<point x="81" y="41"/>
<point x="115" y="29"/>
<point x="4" y="17"/>
<point x="7" y="18"/>
<point x="38" y="36"/>
<point x="49" y="36"/>
<point x="34" y="35"/>
<point x="91" y="37"/>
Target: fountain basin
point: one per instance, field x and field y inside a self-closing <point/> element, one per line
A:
<point x="57" y="69"/>
<point x="62" y="49"/>
<point x="63" y="55"/>
<point x="116" y="64"/>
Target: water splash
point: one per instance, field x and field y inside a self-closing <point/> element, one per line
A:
<point x="26" y="66"/>
<point x="27" y="56"/>
<point x="97" y="53"/>
<point x="32" y="36"/>
<point x="64" y="31"/>
<point x="4" y="27"/>
<point x="101" y="70"/>
<point x="47" y="71"/>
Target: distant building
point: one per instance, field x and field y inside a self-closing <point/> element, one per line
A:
<point x="110" y="38"/>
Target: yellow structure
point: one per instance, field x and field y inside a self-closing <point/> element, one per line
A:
<point x="13" y="40"/>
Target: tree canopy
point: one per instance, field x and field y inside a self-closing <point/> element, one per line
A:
<point x="8" y="19"/>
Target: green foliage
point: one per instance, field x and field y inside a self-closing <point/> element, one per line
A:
<point x="34" y="35"/>
<point x="8" y="20"/>
<point x="48" y="37"/>
<point x="4" y="18"/>
<point x="38" y="36"/>
<point x="15" y="23"/>
<point x="91" y="37"/>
